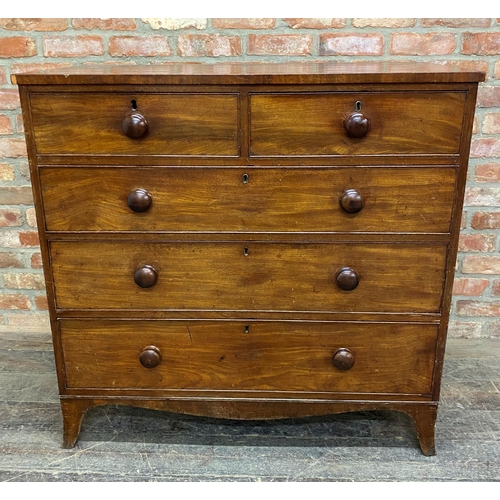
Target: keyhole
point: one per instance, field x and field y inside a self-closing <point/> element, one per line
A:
<point x="133" y="103"/>
<point x="245" y="252"/>
<point x="358" y="105"/>
<point x="245" y="178"/>
<point x="247" y="328"/>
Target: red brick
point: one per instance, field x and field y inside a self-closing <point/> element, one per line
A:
<point x="148" y="46"/>
<point x="31" y="67"/>
<point x="481" y="264"/>
<point x="5" y="126"/>
<point x="463" y="221"/>
<point x="280" y="45"/>
<point x="9" y="99"/>
<point x="464" y="64"/>
<point x="481" y="44"/>
<point x="9" y="259"/>
<point x="491" y="123"/>
<point x="78" y="46"/>
<point x="7" y="173"/>
<point x="495" y="287"/>
<point x="485" y="148"/>
<point x="464" y="22"/>
<point x="3" y="76"/>
<point x="31" y="319"/>
<point x="16" y="195"/>
<point x="17" y="239"/>
<point x="465" y="329"/>
<point x="317" y="23"/>
<point x="17" y="46"/>
<point x="474" y="125"/>
<point x="351" y="44"/>
<point x="416" y="44"/>
<point x="12" y="148"/>
<point x="176" y="23"/>
<point x="9" y="239"/>
<point x="486" y="220"/>
<point x="34" y="24"/>
<point x="36" y="260"/>
<point x="19" y="124"/>
<point x="482" y="196"/>
<point x="31" y="217"/>
<point x="477" y="308"/>
<point x="470" y="286"/>
<point x="24" y="169"/>
<point x="29" y="239"/>
<point x="11" y="301"/>
<point x="243" y="23"/>
<point x="10" y="217"/>
<point x="384" y="22"/>
<point x="487" y="172"/>
<point x="24" y="281"/>
<point x="208" y="45"/>
<point x="488" y="97"/>
<point x="491" y="330"/>
<point x="114" y="24"/>
<point x="41" y="302"/>
<point x="496" y="73"/>
<point x="477" y="242"/>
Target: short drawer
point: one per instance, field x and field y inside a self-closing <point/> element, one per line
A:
<point x="248" y="276"/>
<point x="396" y="200"/>
<point x="239" y="356"/>
<point x="171" y="124"/>
<point x="371" y="123"/>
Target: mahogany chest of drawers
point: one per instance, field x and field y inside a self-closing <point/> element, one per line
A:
<point x="250" y="240"/>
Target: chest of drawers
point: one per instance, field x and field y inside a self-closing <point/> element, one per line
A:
<point x="250" y="241"/>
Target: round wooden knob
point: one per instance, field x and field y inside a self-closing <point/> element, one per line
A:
<point x="347" y="279"/>
<point x="352" y="201"/>
<point x="357" y="125"/>
<point x="150" y="356"/>
<point x="135" y="125"/>
<point x="343" y="359"/>
<point x="139" y="200"/>
<point x="145" y="276"/>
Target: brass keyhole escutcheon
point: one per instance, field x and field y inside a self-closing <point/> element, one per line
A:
<point x="245" y="178"/>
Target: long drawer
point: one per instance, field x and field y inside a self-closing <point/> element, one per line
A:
<point x="389" y="123"/>
<point x="316" y="199"/>
<point x="235" y="356"/>
<point x="297" y="277"/>
<point x="171" y="124"/>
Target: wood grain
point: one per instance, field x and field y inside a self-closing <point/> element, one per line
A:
<point x="313" y="124"/>
<point x="277" y="356"/>
<point x="178" y="124"/>
<point x="276" y="199"/>
<point x="255" y="73"/>
<point x="273" y="276"/>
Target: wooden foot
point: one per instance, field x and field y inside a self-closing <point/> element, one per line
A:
<point x="424" y="418"/>
<point x="73" y="411"/>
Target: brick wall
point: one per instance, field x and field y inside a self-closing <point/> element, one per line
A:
<point x="27" y="44"/>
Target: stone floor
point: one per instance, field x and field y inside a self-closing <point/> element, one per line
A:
<point x="127" y="444"/>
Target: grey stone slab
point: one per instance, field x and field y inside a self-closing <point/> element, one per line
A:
<point x="483" y="348"/>
<point x="27" y="361"/>
<point x="471" y="369"/>
<point x="40" y="387"/>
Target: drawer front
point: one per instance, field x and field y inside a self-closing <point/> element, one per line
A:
<point x="256" y="200"/>
<point x="177" y="124"/>
<point x="399" y="123"/>
<point x="235" y="356"/>
<point x="248" y="276"/>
